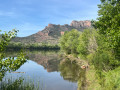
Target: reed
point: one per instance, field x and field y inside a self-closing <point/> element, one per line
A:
<point x="20" y="83"/>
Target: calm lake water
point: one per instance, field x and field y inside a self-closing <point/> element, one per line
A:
<point x="50" y="70"/>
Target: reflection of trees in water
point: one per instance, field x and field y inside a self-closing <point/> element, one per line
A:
<point x="48" y="59"/>
<point x="72" y="72"/>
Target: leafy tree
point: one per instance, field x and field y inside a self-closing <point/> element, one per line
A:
<point x="69" y="41"/>
<point x="10" y="63"/>
<point x="83" y="40"/>
<point x="109" y="23"/>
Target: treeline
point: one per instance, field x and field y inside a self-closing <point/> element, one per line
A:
<point x="90" y="45"/>
<point x="35" y="46"/>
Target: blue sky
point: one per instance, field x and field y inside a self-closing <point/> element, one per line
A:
<point x="31" y="16"/>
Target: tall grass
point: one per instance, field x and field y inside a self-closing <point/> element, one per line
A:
<point x="20" y="84"/>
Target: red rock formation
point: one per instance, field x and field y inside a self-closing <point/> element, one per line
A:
<point x="40" y="33"/>
<point x="50" y="25"/>
<point x="88" y="23"/>
<point x="46" y="34"/>
<point x="80" y="24"/>
<point x="62" y="33"/>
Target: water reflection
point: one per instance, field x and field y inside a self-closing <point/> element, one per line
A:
<point x="60" y="73"/>
<point x="72" y="72"/>
<point x="48" y="59"/>
<point x="44" y="65"/>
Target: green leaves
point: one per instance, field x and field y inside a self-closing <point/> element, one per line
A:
<point x="69" y="41"/>
<point x="109" y="23"/>
<point x="77" y="43"/>
<point x="6" y="37"/>
<point x="10" y="63"/>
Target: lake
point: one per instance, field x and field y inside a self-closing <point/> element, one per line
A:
<point x="51" y="70"/>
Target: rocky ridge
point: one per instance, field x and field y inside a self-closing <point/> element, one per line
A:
<point x="52" y="32"/>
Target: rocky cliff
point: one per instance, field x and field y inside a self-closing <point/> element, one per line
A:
<point x="81" y="24"/>
<point x="52" y="32"/>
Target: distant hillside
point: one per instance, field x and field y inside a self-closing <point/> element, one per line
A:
<point x="51" y="33"/>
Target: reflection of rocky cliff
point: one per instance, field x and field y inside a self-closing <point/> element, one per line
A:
<point x="49" y="61"/>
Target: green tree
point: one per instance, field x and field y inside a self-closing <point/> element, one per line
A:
<point x="109" y="24"/>
<point x="10" y="63"/>
<point x="83" y="41"/>
<point x="69" y="41"/>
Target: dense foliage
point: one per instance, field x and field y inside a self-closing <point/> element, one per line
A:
<point x="69" y="41"/>
<point x="109" y="24"/>
<point x="77" y="43"/>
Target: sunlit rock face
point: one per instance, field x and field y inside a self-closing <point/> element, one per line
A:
<point x="58" y="30"/>
<point x="81" y="24"/>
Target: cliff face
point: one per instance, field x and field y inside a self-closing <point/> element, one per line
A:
<point x="58" y="30"/>
<point x="55" y="30"/>
<point x="81" y="24"/>
<point x="52" y="32"/>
